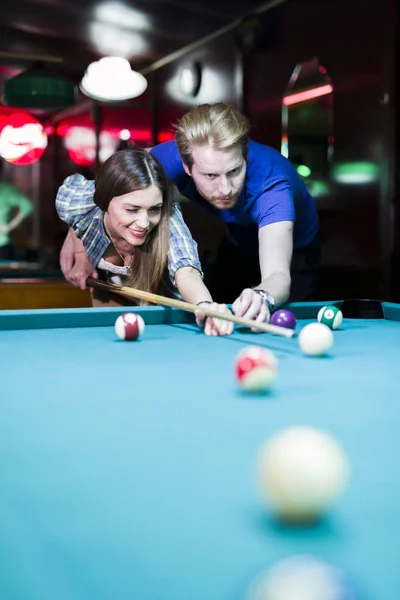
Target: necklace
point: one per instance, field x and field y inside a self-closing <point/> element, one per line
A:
<point x="128" y="268"/>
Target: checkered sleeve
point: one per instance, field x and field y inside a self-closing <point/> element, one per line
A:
<point x="75" y="206"/>
<point x="75" y="199"/>
<point x="182" y="247"/>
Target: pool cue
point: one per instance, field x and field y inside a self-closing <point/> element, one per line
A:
<point x="129" y="292"/>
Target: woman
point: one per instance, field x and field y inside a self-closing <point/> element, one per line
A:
<point x="126" y="227"/>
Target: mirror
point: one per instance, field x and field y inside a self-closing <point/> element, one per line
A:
<point x="307" y="124"/>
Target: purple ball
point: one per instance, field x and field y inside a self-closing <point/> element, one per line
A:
<point x="283" y="318"/>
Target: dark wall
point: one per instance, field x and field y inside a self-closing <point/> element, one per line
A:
<point x="221" y="82"/>
<point x="355" y="41"/>
<point x="394" y="182"/>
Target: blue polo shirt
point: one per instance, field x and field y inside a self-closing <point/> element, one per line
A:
<point x="273" y="192"/>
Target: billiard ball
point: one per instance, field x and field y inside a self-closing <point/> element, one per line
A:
<point x="315" y="339"/>
<point x="302" y="471"/>
<point x="129" y="326"/>
<point x="302" y="577"/>
<point x="330" y="316"/>
<point x="256" y="368"/>
<point x="283" y="318"/>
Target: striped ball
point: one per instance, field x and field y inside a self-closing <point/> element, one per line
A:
<point x="330" y="316"/>
<point x="256" y="369"/>
<point x="129" y="326"/>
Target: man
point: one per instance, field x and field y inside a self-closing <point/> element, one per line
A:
<point x="271" y="247"/>
<point x="257" y="192"/>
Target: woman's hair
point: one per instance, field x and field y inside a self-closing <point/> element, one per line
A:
<point x="216" y="125"/>
<point x="127" y="171"/>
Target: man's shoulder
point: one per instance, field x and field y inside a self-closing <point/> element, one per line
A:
<point x="259" y="151"/>
<point x="266" y="164"/>
<point x="165" y="150"/>
<point x="168" y="155"/>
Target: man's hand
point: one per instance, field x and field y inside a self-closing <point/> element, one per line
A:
<point x="214" y="326"/>
<point x="251" y="305"/>
<point x="81" y="270"/>
<point x="67" y="256"/>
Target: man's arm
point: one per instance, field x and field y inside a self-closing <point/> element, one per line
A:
<point x="75" y="199"/>
<point x="67" y="254"/>
<point x="275" y="244"/>
<point x="275" y="251"/>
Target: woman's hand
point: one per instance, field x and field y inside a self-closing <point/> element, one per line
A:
<point x="81" y="270"/>
<point x="211" y="325"/>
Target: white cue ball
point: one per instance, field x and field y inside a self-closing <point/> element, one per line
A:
<point x="301" y="577"/>
<point x="315" y="339"/>
<point x="302" y="472"/>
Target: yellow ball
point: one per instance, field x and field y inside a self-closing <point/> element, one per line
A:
<point x="302" y="472"/>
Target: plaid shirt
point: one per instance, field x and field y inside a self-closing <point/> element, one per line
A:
<point x="75" y="206"/>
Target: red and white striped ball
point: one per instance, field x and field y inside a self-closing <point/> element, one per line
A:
<point x="129" y="326"/>
<point x="256" y="368"/>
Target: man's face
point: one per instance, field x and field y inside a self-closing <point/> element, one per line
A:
<point x="218" y="174"/>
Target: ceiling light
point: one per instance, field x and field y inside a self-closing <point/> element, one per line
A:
<point x="112" y="40"/>
<point x="38" y="88"/>
<point x="120" y="15"/>
<point x="111" y="79"/>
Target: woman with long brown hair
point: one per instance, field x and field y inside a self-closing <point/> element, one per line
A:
<point x="128" y="229"/>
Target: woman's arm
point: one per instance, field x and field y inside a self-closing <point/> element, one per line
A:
<point x="75" y="206"/>
<point x="189" y="282"/>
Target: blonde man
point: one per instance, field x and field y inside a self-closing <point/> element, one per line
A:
<point x="271" y="251"/>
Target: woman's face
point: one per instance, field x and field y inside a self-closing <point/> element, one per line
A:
<point x="132" y="216"/>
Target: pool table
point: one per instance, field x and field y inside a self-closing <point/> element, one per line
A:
<point x="128" y="468"/>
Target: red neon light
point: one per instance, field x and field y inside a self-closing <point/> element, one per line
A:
<point x="308" y="95"/>
<point x="165" y="136"/>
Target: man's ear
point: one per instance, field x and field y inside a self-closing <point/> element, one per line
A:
<point x="187" y="170"/>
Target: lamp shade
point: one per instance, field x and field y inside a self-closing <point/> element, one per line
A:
<point x="112" y="79"/>
<point x="39" y="88"/>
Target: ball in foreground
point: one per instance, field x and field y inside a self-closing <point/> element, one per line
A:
<point x="283" y="318"/>
<point x="302" y="577"/>
<point x="331" y="316"/>
<point x="256" y="369"/>
<point x="129" y="326"/>
<point x="315" y="339"/>
<point x="302" y="472"/>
